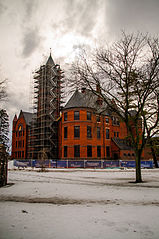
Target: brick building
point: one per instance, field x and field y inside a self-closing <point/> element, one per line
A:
<point x="89" y="130"/>
<point x="20" y="132"/>
<point x="85" y="129"/>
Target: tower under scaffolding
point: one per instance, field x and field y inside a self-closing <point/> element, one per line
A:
<point x="47" y="104"/>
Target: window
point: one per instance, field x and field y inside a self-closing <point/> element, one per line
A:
<point x="107" y="120"/>
<point x="76" y="131"/>
<point x="98" y="151"/>
<point x="65" y="151"/>
<point x="22" y="154"/>
<point x="19" y="144"/>
<point x="76" y="150"/>
<point x="98" y="118"/>
<point x="98" y="132"/>
<point x="65" y="116"/>
<point x="89" y="150"/>
<point x="108" y="151"/>
<point x="89" y="115"/>
<point x="16" y="144"/>
<point x="76" y="115"/>
<point x="23" y="143"/>
<point x="117" y="134"/>
<point x="115" y="121"/>
<point x="65" y="132"/>
<point x="89" y="132"/>
<point x="20" y="130"/>
<point x="107" y="133"/>
<point x="114" y="134"/>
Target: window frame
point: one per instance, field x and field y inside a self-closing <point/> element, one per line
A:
<point x="98" y="151"/>
<point x="108" y="151"/>
<point x="76" y="131"/>
<point x="107" y="120"/>
<point x="89" y="131"/>
<point x="76" y="117"/>
<point x="98" y="132"/>
<point x="65" y="132"/>
<point x="65" y="152"/>
<point x="98" y="118"/>
<point x="89" y="151"/>
<point x="65" y="116"/>
<point x="77" y="151"/>
<point x="107" y="133"/>
<point x="89" y="115"/>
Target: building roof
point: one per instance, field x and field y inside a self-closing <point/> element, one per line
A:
<point x="76" y="100"/>
<point x="86" y="100"/>
<point x="50" y="61"/>
<point x="121" y="144"/>
<point x="27" y="116"/>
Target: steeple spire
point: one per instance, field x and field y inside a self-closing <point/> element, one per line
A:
<point x="50" y="60"/>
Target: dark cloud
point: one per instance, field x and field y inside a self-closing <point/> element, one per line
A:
<point x="30" y="8"/>
<point x="79" y="16"/>
<point x="3" y="8"/>
<point x="31" y="41"/>
<point x="133" y="15"/>
<point x="31" y="38"/>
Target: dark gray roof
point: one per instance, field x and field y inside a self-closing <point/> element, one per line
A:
<point x="86" y="100"/>
<point x="122" y="144"/>
<point x="28" y="117"/>
<point x="76" y="100"/>
<point x="50" y="61"/>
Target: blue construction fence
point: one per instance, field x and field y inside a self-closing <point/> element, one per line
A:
<point x="81" y="164"/>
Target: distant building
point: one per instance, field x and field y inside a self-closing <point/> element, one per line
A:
<point x="20" y="134"/>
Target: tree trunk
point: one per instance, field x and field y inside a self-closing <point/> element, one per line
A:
<point x="138" y="169"/>
<point x="154" y="155"/>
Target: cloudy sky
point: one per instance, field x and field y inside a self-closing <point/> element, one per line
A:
<point x="29" y="28"/>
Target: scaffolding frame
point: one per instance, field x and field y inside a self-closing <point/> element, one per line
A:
<point x="43" y="136"/>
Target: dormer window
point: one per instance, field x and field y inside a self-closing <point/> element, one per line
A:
<point x="107" y="120"/>
<point x="98" y="118"/>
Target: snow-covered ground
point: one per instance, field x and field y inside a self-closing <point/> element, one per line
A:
<point x="79" y="203"/>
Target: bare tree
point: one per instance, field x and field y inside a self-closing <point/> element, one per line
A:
<point x="4" y="119"/>
<point x="128" y="76"/>
<point x="4" y="128"/>
<point x="153" y="144"/>
<point x="3" y="93"/>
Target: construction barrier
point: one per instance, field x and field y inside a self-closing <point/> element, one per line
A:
<point x="81" y="164"/>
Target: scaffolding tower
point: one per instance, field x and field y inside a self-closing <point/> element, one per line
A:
<point x="43" y="137"/>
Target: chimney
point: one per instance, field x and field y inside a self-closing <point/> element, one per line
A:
<point x="83" y="89"/>
<point x="98" y="90"/>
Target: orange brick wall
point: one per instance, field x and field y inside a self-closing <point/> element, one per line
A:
<point x="83" y="141"/>
<point x="19" y="151"/>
